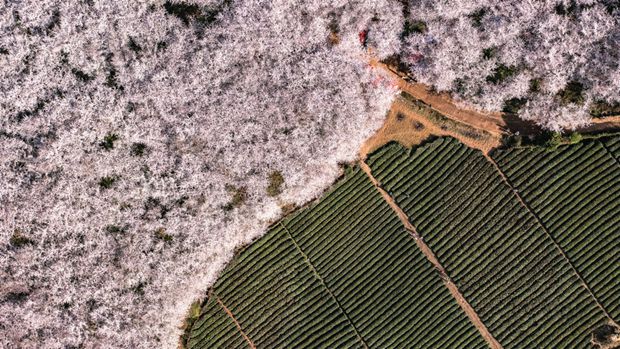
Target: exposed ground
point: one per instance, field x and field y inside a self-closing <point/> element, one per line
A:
<point x="603" y="124"/>
<point x="408" y="126"/>
<point x="442" y="102"/>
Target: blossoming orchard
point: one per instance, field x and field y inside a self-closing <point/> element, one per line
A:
<point x="143" y="142"/>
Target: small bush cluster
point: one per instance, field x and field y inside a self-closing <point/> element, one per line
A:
<point x="555" y="58"/>
<point x="19" y="239"/>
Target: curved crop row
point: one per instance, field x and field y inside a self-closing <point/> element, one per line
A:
<point x="343" y="273"/>
<point x="613" y="145"/>
<point x="493" y="248"/>
<point x="277" y="299"/>
<point x="374" y="268"/>
<point x="216" y="329"/>
<point x="575" y="191"/>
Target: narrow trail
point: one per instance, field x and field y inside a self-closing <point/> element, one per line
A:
<point x="320" y="278"/>
<point x="430" y="255"/>
<point x="602" y="125"/>
<point x="230" y="314"/>
<point x="555" y="243"/>
<point x="491" y="122"/>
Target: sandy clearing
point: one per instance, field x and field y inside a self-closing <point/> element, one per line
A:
<point x="410" y="128"/>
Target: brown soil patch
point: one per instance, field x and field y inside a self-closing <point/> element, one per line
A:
<point x="430" y="255"/>
<point x="408" y="127"/>
<point x="611" y="123"/>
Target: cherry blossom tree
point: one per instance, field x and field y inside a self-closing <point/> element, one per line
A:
<point x="137" y="140"/>
<point x="550" y="59"/>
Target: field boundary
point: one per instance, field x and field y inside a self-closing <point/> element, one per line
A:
<point x="555" y="243"/>
<point x="430" y="255"/>
<point x="613" y="156"/>
<point x="318" y="276"/>
<point x="230" y="314"/>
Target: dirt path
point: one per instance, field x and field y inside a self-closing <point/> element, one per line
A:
<point x="495" y="123"/>
<point x="557" y="246"/>
<point x="230" y="314"/>
<point x="430" y="255"/>
<point x="601" y="125"/>
<point x="442" y="102"/>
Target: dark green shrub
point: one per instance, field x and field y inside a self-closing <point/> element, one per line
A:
<point x="575" y="137"/>
<point x="535" y="85"/>
<point x="501" y="73"/>
<point x="239" y="196"/>
<point x="411" y="27"/>
<point x="489" y="52"/>
<point x="512" y="141"/>
<point x="18" y="239"/>
<point x="107" y="182"/>
<point x="160" y="234"/>
<point x="513" y="105"/>
<point x="572" y="93"/>
<point x="601" y="109"/>
<point x="138" y="149"/>
<point x="192" y="315"/>
<point x="477" y="17"/>
<point x="108" y="141"/>
<point x="275" y="183"/>
<point x="115" y="229"/>
<point x="554" y="141"/>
